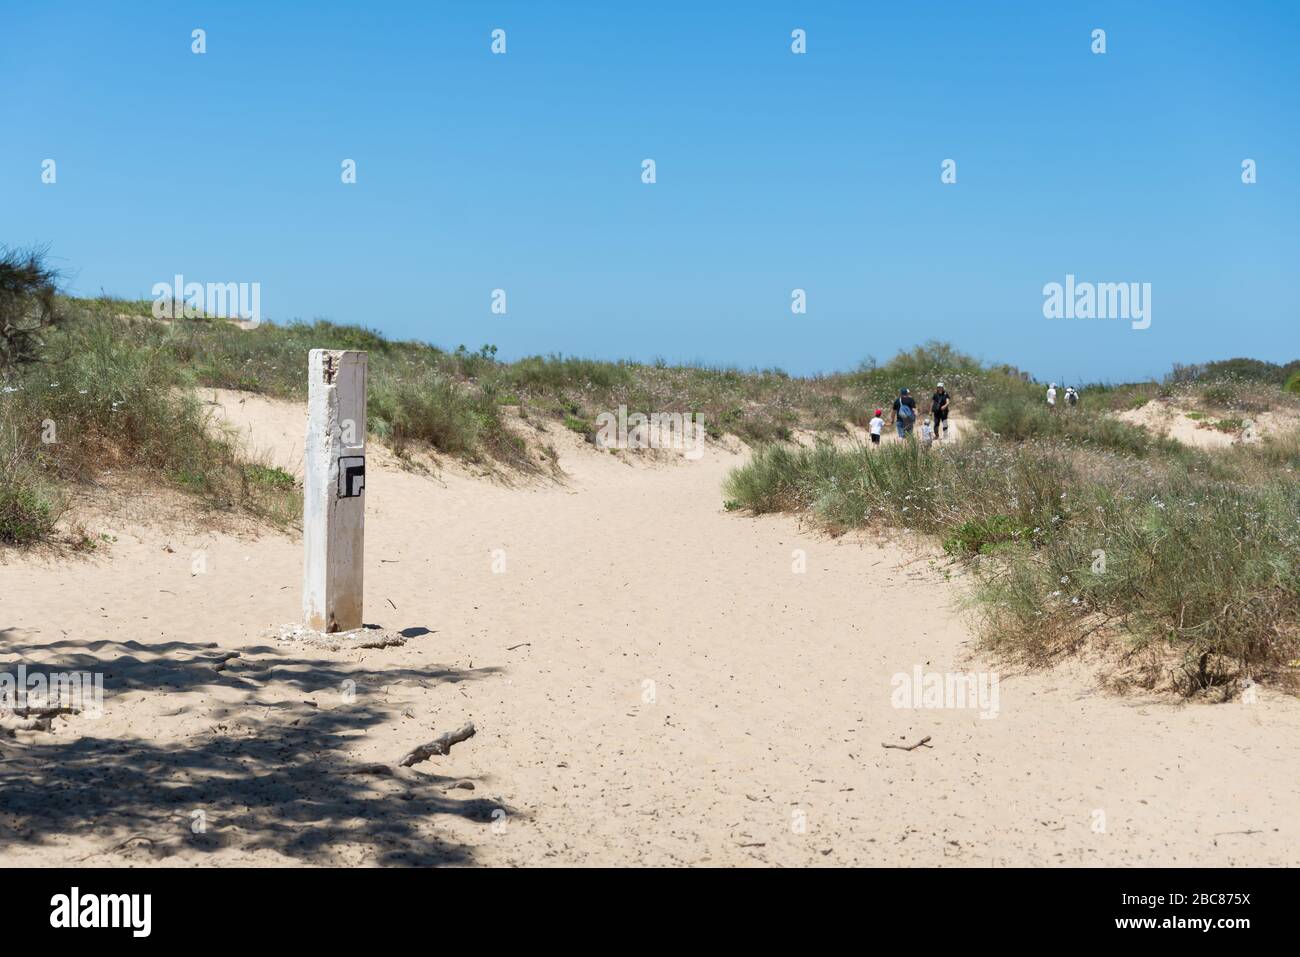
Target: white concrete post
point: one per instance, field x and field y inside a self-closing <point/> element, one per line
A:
<point x="334" y="497"/>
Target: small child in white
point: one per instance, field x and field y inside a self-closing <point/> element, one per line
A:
<point x="927" y="432"/>
<point x="876" y="425"/>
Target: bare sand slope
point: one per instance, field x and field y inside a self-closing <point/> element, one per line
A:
<point x="1178" y="422"/>
<point x="651" y="680"/>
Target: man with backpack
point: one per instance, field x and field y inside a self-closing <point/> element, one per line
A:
<point x="904" y="415"/>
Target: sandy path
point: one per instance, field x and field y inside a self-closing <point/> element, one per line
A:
<point x="762" y="744"/>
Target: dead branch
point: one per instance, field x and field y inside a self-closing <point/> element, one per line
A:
<point x="11" y="723"/>
<point x="32" y="711"/>
<point x="439" y="745"/>
<point x="908" y="747"/>
<point x="384" y="641"/>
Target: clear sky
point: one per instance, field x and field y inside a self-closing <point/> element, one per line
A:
<point x="775" y="171"/>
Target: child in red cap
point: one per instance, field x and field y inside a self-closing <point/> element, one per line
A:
<point x="877" y="424"/>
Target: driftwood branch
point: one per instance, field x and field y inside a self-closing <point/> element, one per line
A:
<point x="383" y="641"/>
<point x="9" y="723"/>
<point x="909" y="747"/>
<point x="439" y="745"/>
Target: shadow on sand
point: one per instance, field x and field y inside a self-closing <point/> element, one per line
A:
<point x="262" y="774"/>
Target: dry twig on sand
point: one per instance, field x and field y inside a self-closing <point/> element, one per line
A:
<point x="439" y="745"/>
<point x="908" y="747"/>
<point x="383" y="641"/>
<point x="10" y="722"/>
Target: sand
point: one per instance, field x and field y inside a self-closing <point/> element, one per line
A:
<point x="1176" y="422"/>
<point x="651" y="683"/>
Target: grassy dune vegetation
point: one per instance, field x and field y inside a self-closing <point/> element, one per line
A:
<point x="97" y="402"/>
<point x="91" y="386"/>
<point x="1079" y="527"/>
<point x="454" y="399"/>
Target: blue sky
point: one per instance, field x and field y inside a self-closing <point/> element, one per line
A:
<point x="775" y="171"/>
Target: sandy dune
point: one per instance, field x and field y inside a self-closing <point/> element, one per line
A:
<point x="651" y="681"/>
<point x="1177" y="422"/>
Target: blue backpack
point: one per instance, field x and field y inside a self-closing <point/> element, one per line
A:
<point x="905" y="411"/>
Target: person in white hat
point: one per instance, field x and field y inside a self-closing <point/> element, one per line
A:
<point x="939" y="410"/>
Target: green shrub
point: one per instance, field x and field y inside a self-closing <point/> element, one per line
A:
<point x="431" y="408"/>
<point x="575" y="424"/>
<point x="1235" y="370"/>
<point x="1202" y="564"/>
<point x="270" y="477"/>
<point x="1220" y="393"/>
<point x="541" y="375"/>
<point x="108" y="393"/>
<point x="1018" y="418"/>
<point x="1021" y="417"/>
<point x="981" y="536"/>
<point x="27" y="513"/>
<point x="28" y="306"/>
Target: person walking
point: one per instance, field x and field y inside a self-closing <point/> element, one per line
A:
<point x="877" y="423"/>
<point x="904" y="413"/>
<point x="939" y="403"/>
<point x="1051" y="396"/>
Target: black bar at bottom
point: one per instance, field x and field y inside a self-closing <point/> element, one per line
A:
<point x="881" y="906"/>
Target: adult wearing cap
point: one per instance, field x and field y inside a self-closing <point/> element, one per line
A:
<point x="939" y="409"/>
<point x="904" y="413"/>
